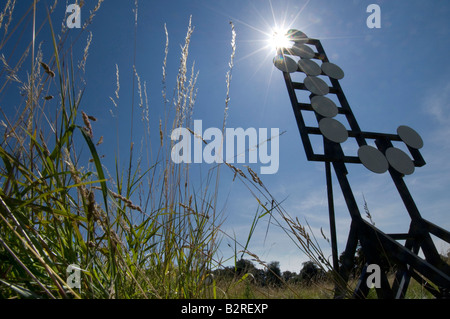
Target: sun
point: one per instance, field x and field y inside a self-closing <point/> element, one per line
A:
<point x="271" y="33"/>
<point x="279" y="39"/>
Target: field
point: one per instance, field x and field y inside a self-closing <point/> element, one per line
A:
<point x="321" y="290"/>
<point x="139" y="232"/>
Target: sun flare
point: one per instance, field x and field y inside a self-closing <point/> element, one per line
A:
<point x="279" y="39"/>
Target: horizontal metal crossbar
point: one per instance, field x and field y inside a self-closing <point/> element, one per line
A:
<point x="404" y="256"/>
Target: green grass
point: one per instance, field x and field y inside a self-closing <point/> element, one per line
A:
<point x="134" y="232"/>
<point x="138" y="232"/>
<point x="59" y="207"/>
<point x="248" y="290"/>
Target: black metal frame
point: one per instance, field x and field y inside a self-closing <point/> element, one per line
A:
<point x="378" y="248"/>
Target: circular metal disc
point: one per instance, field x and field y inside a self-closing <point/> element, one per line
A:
<point x="316" y="85"/>
<point x="309" y="67"/>
<point x="285" y="63"/>
<point x="400" y="161"/>
<point x="332" y="70"/>
<point x="296" y="35"/>
<point x="324" y="106"/>
<point x="373" y="159"/>
<point x="302" y="51"/>
<point x="333" y="130"/>
<point x="410" y="137"/>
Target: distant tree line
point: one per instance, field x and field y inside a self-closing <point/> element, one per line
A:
<point x="310" y="272"/>
<point x="271" y="275"/>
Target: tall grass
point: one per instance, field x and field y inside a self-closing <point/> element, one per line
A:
<point x="301" y="235"/>
<point x="139" y="232"/>
<point x="136" y="233"/>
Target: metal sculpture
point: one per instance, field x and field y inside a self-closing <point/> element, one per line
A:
<point x="378" y="247"/>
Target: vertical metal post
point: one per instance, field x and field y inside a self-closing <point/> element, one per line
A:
<point x="332" y="217"/>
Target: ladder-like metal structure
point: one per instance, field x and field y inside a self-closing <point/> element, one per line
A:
<point x="378" y="247"/>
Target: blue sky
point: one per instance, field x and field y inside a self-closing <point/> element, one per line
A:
<point x="395" y="75"/>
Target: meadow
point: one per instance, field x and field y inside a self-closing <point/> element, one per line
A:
<point x="139" y="232"/>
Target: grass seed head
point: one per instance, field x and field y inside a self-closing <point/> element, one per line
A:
<point x="47" y="69"/>
<point x="87" y="124"/>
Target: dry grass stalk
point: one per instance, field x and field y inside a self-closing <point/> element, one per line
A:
<point x="8" y="11"/>
<point x="114" y="102"/>
<point x="92" y="210"/>
<point x="128" y="202"/>
<point x="229" y="73"/>
<point x="141" y="102"/>
<point x="2" y="14"/>
<point x="12" y="73"/>
<point x="47" y="69"/>
<point x="82" y="64"/>
<point x="44" y="145"/>
<point x="191" y="97"/>
<point x="166" y="52"/>
<point x="254" y="176"/>
<point x="92" y="14"/>
<point x="117" y="82"/>
<point x="146" y="110"/>
<point x="236" y="170"/>
<point x="196" y="135"/>
<point x="161" y="135"/>
<point x="87" y="124"/>
<point x="181" y="109"/>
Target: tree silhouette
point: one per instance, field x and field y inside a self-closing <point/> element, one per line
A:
<point x="273" y="274"/>
<point x="244" y="266"/>
<point x="311" y="272"/>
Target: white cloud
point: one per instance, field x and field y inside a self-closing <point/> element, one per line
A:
<point x="437" y="104"/>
